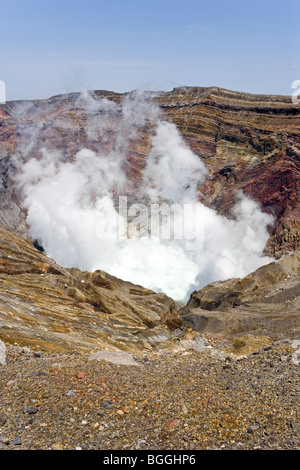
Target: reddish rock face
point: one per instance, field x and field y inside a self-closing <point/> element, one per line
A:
<point x="248" y="142"/>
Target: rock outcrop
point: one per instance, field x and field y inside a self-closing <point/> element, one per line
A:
<point x="45" y="306"/>
<point x="266" y="302"/>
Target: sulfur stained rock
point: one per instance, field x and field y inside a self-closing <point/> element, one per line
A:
<point x="45" y="306"/>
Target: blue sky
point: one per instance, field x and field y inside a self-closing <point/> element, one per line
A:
<point x="57" y="46"/>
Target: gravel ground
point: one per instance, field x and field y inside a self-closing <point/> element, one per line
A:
<point x="183" y="401"/>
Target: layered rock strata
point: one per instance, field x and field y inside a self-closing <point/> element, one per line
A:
<point x="43" y="305"/>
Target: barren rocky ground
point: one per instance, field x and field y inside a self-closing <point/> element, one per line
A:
<point x="184" y="400"/>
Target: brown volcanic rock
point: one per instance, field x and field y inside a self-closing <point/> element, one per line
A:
<point x="43" y="305"/>
<point x="266" y="302"/>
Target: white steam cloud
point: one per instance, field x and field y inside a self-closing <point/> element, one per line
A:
<point x="72" y="207"/>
